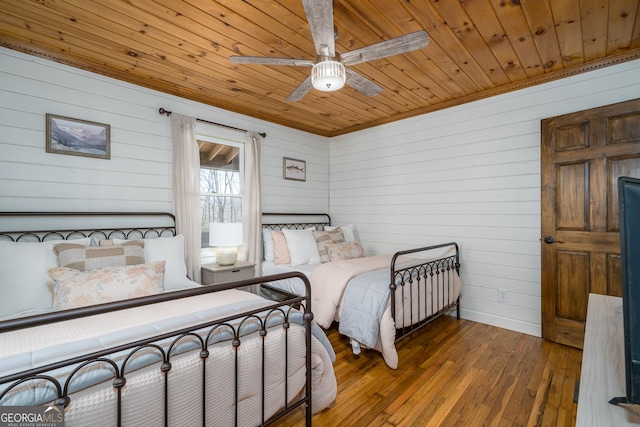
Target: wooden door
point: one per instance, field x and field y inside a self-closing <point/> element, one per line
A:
<point x="583" y="154"/>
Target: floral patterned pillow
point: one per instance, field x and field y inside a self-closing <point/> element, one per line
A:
<point x="346" y="250"/>
<point x="73" y="288"/>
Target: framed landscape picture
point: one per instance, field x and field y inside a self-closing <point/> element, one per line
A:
<point x="78" y="137"/>
<point x="294" y="169"/>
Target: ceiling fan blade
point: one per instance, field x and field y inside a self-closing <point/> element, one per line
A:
<point x="270" y="61"/>
<point x="362" y="84"/>
<point x="299" y="92"/>
<point x="320" y="18"/>
<point x="395" y="46"/>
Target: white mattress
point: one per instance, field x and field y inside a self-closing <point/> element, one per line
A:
<point x="294" y="286"/>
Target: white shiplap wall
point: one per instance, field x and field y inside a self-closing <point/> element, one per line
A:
<point x="310" y="196"/>
<point x="469" y="174"/>
<point x="138" y="176"/>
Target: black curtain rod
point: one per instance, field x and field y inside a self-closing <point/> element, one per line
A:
<point x="168" y="113"/>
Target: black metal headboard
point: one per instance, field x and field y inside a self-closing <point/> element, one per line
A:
<point x="42" y="226"/>
<point x="295" y="221"/>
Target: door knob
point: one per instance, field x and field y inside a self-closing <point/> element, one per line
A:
<point x="549" y="240"/>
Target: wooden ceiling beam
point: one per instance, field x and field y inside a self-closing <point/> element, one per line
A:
<point x="214" y="151"/>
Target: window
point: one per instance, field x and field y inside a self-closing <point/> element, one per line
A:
<point x="221" y="182"/>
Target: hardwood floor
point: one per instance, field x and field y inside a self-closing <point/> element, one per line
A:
<point x="454" y="373"/>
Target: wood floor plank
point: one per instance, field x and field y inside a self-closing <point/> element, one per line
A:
<point x="522" y="370"/>
<point x="454" y="373"/>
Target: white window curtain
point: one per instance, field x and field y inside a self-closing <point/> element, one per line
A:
<point x="252" y="208"/>
<point x="186" y="189"/>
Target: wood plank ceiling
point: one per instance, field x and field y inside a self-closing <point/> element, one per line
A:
<point x="478" y="48"/>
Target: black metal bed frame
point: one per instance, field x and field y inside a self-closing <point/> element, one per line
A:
<point x="230" y="324"/>
<point x="301" y="305"/>
<point x="322" y="220"/>
<point x="125" y="233"/>
<point x="418" y="281"/>
<point x="430" y="277"/>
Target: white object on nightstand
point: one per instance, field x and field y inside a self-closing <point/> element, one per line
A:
<point x="226" y="237"/>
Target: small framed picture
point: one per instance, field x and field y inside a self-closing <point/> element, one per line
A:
<point x="294" y="169"/>
<point x="78" y="137"/>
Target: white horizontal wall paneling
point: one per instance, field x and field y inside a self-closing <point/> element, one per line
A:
<point x="469" y="174"/>
<point x="138" y="177"/>
<point x="280" y="195"/>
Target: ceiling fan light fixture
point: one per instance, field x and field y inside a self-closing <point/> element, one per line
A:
<point x="328" y="75"/>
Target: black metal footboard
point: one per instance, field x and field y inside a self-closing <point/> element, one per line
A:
<point x="423" y="290"/>
<point x="210" y="356"/>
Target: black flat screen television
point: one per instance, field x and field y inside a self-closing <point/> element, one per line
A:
<point x="629" y="204"/>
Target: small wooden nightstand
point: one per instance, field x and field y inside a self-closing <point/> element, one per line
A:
<point x="213" y="274"/>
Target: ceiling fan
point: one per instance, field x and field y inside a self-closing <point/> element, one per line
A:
<point x="330" y="69"/>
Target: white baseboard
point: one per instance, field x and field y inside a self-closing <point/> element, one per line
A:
<point x="501" y="322"/>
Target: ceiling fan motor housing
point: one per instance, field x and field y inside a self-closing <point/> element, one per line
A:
<point x="328" y="73"/>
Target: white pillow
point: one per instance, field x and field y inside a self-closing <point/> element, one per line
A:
<point x="303" y="247"/>
<point x="25" y="286"/>
<point x="171" y="250"/>
<point x="347" y="230"/>
<point x="267" y="242"/>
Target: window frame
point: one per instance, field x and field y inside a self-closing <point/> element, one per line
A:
<point x="207" y="253"/>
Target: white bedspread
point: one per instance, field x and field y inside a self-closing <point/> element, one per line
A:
<point x="37" y="346"/>
<point x="121" y="324"/>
